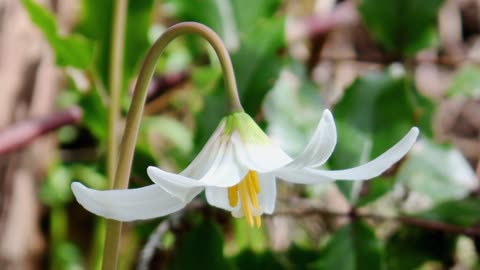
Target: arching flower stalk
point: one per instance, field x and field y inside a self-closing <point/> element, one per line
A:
<point x="237" y="168"/>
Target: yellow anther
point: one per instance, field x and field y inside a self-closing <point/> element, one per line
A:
<point x="254" y="179"/>
<point x="233" y="195"/>
<point x="251" y="192"/>
<point x="246" y="191"/>
<point x="243" y="190"/>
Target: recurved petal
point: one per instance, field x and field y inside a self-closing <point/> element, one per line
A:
<point x="127" y="204"/>
<point x="268" y="192"/>
<point x="366" y="171"/>
<point x="259" y="157"/>
<point x="218" y="197"/>
<point x="302" y="176"/>
<point x="321" y="144"/>
<point x="176" y="185"/>
<point x="224" y="172"/>
<point x="207" y="156"/>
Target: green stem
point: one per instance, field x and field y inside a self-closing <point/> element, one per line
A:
<point x="115" y="86"/>
<point x="136" y="111"/>
<point x="58" y="233"/>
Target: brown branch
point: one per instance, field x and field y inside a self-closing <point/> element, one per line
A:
<point x="413" y="221"/>
<point x="18" y="136"/>
<point x="445" y="60"/>
<point x="161" y="84"/>
<point x="344" y="14"/>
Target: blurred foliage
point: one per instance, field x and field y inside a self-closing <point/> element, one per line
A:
<point x="466" y="83"/>
<point x="372" y="114"/>
<point x="209" y="256"/>
<point x="260" y="34"/>
<point x="409" y="248"/>
<point x="439" y="172"/>
<point x="357" y="244"/>
<point x="402" y="26"/>
<point x="463" y="213"/>
<point x="73" y="50"/>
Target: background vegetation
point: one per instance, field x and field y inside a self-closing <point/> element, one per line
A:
<point x="381" y="66"/>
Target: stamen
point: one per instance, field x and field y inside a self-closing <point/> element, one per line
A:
<point x="258" y="221"/>
<point x="254" y="179"/>
<point x="243" y="190"/>
<point x="251" y="191"/>
<point x="247" y="191"/>
<point x="233" y="195"/>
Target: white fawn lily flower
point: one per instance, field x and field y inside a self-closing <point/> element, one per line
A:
<point x="237" y="168"/>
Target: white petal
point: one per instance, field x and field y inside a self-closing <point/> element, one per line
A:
<point x="366" y="171"/>
<point x="127" y="204"/>
<point x="260" y="157"/>
<point x="218" y="197"/>
<point x="224" y="172"/>
<point x="302" y="176"/>
<point x="177" y="185"/>
<point x="320" y="146"/>
<point x="377" y="166"/>
<point x="204" y="160"/>
<point x="268" y="192"/>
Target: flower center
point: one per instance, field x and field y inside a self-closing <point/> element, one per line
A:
<point x="247" y="190"/>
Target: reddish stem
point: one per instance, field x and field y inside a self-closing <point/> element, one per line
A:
<point x="21" y="134"/>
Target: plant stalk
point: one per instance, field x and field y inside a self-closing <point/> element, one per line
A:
<point x="136" y="111"/>
<point x="115" y="87"/>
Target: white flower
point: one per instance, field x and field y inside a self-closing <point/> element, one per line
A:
<point x="237" y="168"/>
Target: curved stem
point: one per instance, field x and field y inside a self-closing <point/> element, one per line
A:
<point x="136" y="110"/>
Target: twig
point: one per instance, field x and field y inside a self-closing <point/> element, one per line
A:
<point x="449" y="61"/>
<point x="21" y="134"/>
<point x="343" y="14"/>
<point x="170" y="223"/>
<point x="153" y="241"/>
<point x="422" y="223"/>
<point x="161" y="84"/>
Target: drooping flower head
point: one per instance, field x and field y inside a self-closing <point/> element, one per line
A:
<point x="237" y="168"/>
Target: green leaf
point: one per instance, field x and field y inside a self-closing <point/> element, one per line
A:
<point x="293" y="95"/>
<point x="257" y="64"/>
<point x="67" y="256"/>
<point x="95" y="115"/>
<point x="142" y="158"/>
<point x="464" y="213"/>
<point x="377" y="110"/>
<point x="96" y="24"/>
<point x="409" y="248"/>
<point x="70" y="50"/>
<point x="247" y="237"/>
<point x="56" y="189"/>
<point x="352" y="247"/>
<point x="438" y="172"/>
<point x="266" y="260"/>
<point x="201" y="248"/>
<point x="466" y="82"/>
<point x="89" y="175"/>
<point x="402" y="26"/>
<point x="260" y="35"/>
<point x="300" y="257"/>
<point x="375" y="189"/>
<point x="170" y="129"/>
